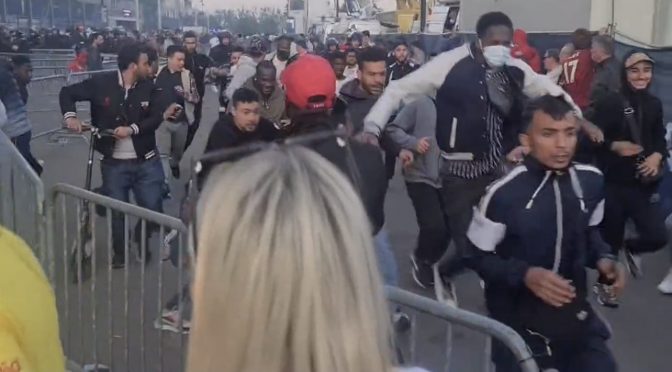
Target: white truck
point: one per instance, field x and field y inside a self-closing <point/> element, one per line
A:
<point x="644" y="22"/>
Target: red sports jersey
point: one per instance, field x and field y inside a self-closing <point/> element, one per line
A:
<point x="577" y="77"/>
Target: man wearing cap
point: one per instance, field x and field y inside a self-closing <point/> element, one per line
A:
<point x="552" y="65"/>
<point x="310" y="97"/>
<point x="402" y="64"/>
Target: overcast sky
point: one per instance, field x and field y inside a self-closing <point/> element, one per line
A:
<point x="235" y="4"/>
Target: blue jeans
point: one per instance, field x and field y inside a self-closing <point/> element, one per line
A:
<point x="386" y="260"/>
<point x="143" y="177"/>
<point x="22" y="144"/>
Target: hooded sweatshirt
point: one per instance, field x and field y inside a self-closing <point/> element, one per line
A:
<point x="358" y="102"/>
<point x="273" y="108"/>
<point x="247" y="67"/>
<point x="524" y="51"/>
<point x="609" y="115"/>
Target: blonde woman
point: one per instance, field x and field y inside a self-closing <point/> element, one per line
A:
<point x="286" y="277"/>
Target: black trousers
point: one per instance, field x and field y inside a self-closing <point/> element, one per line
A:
<point x="589" y="355"/>
<point x="433" y="237"/>
<point x="198" y="114"/>
<point x="459" y="197"/>
<point x="639" y="203"/>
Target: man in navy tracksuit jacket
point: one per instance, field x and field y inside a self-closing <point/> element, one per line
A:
<point x="533" y="235"/>
<point x="479" y="91"/>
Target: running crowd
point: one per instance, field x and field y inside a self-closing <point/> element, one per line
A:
<point x="533" y="167"/>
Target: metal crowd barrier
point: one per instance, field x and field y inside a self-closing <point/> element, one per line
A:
<point x="22" y="199"/>
<point x="108" y="317"/>
<point x="450" y="317"/>
<point x="77" y="77"/>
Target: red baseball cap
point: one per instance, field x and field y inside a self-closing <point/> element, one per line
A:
<point x="310" y="83"/>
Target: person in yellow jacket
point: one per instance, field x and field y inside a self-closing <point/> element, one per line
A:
<point x="29" y="340"/>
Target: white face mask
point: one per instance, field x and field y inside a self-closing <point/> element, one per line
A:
<point x="497" y="55"/>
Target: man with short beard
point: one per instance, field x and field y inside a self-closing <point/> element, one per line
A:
<point x="272" y="98"/>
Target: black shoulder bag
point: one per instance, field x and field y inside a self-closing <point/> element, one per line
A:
<point x="636" y="133"/>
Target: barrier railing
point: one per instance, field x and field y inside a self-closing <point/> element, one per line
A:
<point x="450" y="317"/>
<point x="77" y="77"/>
<point x="22" y="199"/>
<point x="108" y="316"/>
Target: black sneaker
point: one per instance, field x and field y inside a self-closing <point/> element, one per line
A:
<point x="118" y="262"/>
<point x="605" y="296"/>
<point x="422" y="273"/>
<point x="176" y="172"/>
<point x="165" y="191"/>
<point x="634" y="264"/>
<point x="401" y="321"/>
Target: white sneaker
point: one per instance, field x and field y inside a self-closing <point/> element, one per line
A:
<point x="444" y="289"/>
<point x="665" y="287"/>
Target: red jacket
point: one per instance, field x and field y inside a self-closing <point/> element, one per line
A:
<point x="79" y="63"/>
<point x="524" y="51"/>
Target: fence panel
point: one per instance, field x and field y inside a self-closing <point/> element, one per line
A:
<point x="444" y="318"/>
<point x="22" y="199"/>
<point x="109" y="316"/>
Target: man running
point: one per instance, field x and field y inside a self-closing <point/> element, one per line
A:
<point x="479" y="89"/>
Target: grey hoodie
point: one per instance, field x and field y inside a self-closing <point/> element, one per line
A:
<point x="247" y="67"/>
<point x="417" y="120"/>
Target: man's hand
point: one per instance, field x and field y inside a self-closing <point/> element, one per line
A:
<point x="593" y="131"/>
<point x="549" y="286"/>
<point x="406" y="158"/>
<point x="369" y="138"/>
<point x="123" y="132"/>
<point x="74" y="124"/>
<point x="423" y="146"/>
<point x="518" y="154"/>
<point x="172" y="112"/>
<point x="614" y="272"/>
<point x="626" y="148"/>
<point x="651" y="165"/>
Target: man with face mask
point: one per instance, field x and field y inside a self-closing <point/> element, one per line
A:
<point x="478" y="89"/>
<point x="271" y="96"/>
<point x="285" y="49"/>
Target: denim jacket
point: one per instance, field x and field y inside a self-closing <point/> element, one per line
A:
<point x="17" y="122"/>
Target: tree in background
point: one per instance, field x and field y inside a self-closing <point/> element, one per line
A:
<point x="267" y="21"/>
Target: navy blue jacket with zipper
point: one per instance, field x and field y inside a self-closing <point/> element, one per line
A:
<point x="535" y="217"/>
<point x="457" y="79"/>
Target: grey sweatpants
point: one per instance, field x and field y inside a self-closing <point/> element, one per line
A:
<point x="171" y="139"/>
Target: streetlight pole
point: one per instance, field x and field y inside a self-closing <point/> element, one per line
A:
<point x="159" y="12"/>
<point x="4" y="11"/>
<point x="69" y="13"/>
<point x="83" y="14"/>
<point x="51" y="14"/>
<point x="30" y="13"/>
